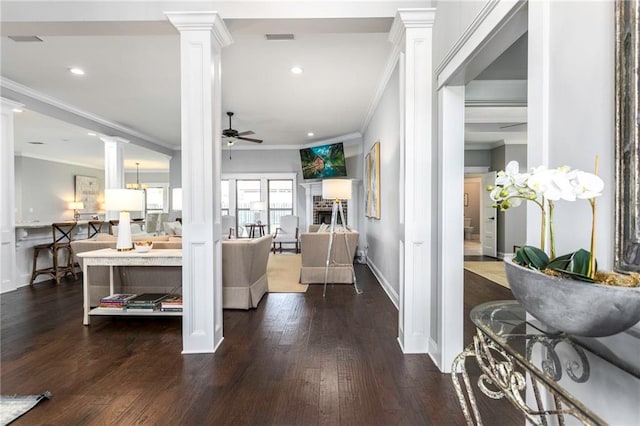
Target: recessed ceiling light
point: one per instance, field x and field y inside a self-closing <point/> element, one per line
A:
<point x="36" y="143"/>
<point x="76" y="71"/>
<point x="310" y="134"/>
<point x="296" y="70"/>
<point x="17" y="110"/>
<point x="91" y="134"/>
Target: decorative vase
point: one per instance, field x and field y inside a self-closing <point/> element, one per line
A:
<point x="574" y="307"/>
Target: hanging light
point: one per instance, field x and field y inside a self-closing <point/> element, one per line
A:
<point x="137" y="184"/>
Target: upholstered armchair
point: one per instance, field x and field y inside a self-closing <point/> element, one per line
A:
<point x="287" y="233"/>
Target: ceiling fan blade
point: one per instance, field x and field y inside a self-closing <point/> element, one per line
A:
<point x="247" y="133"/>
<point x="250" y="139"/>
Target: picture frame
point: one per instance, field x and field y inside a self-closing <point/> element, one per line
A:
<point x="627" y="155"/>
<point x="372" y="191"/>
<point x="87" y="191"/>
<point x="466" y="199"/>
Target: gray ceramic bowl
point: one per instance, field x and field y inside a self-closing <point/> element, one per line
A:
<point x="575" y="307"/>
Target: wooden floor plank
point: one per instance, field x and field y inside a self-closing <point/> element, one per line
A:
<point x="298" y="359"/>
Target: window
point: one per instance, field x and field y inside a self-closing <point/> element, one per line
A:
<point x="247" y="192"/>
<point x="155" y="202"/>
<point x="224" y="197"/>
<point x="276" y="190"/>
<point x="280" y="201"/>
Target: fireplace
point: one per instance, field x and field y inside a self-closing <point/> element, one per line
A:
<point x="325" y="217"/>
<point x="322" y="211"/>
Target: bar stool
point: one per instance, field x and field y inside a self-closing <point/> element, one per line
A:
<point x="94" y="227"/>
<point x="62" y="237"/>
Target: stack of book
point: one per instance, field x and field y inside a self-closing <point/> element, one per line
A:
<point x="115" y="301"/>
<point x="146" y="302"/>
<point x="173" y="303"/>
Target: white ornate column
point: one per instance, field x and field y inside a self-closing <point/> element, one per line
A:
<point x="202" y="37"/>
<point x="113" y="166"/>
<point x="7" y="195"/>
<point x="411" y="33"/>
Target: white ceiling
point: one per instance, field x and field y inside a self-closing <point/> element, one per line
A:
<point x="132" y="80"/>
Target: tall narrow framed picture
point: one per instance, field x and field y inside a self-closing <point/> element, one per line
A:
<point x="372" y="172"/>
<point x="87" y="191"/>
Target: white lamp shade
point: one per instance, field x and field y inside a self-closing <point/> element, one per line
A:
<point x="76" y="205"/>
<point x="336" y="189"/>
<point x="176" y="199"/>
<point x="123" y="199"/>
<point x="257" y="206"/>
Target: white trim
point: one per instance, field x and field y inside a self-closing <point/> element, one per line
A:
<point x="476" y="169"/>
<point x="392" y="62"/>
<point x="494" y="16"/>
<point x="69" y="109"/>
<point x="466" y="35"/>
<point x="391" y="292"/>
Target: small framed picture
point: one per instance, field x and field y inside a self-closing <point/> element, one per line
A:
<point x="466" y="199"/>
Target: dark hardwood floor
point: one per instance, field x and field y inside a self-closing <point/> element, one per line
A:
<point x="296" y="359"/>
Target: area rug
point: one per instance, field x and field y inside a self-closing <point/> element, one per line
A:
<point x="13" y="406"/>
<point x="283" y="272"/>
<point x="493" y="271"/>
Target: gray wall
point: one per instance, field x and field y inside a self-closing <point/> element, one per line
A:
<point x="44" y="188"/>
<point x="477" y="158"/>
<point x="382" y="236"/>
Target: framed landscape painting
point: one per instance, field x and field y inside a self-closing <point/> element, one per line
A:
<point x="372" y="190"/>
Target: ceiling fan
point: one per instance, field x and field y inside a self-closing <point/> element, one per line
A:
<point x="232" y="135"/>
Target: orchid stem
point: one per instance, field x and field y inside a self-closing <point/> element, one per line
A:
<point x="594" y="219"/>
<point x="552" y="238"/>
<point x="543" y="226"/>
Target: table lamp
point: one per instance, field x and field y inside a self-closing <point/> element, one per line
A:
<point x="75" y="206"/>
<point x="124" y="201"/>
<point x="337" y="190"/>
<point x="256" y="207"/>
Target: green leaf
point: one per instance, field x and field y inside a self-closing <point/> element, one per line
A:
<point x="560" y="262"/>
<point x="581" y="262"/>
<point x="576" y="276"/>
<point x="534" y="257"/>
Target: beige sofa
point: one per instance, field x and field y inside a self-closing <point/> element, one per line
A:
<point x="314" y="256"/>
<point x="244" y="271"/>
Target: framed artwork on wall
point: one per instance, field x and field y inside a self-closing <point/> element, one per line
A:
<point x="372" y="172"/>
<point x="87" y="191"/>
<point x="466" y="199"/>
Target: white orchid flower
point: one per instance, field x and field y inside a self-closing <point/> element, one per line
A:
<point x="561" y="184"/>
<point x="587" y="185"/>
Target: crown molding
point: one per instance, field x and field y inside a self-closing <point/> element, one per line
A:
<point x="410" y="18"/>
<point x="40" y="102"/>
<point x="389" y="68"/>
<point x="45" y="158"/>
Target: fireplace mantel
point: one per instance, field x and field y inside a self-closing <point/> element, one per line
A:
<point x="315" y="188"/>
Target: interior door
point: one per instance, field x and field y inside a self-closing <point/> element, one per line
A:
<point x="488" y="216"/>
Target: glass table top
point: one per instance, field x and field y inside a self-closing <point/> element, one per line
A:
<point x="600" y="376"/>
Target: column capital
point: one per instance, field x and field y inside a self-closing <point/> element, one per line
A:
<point x="410" y="18"/>
<point x="9" y="105"/>
<point x="113" y="139"/>
<point x="202" y="21"/>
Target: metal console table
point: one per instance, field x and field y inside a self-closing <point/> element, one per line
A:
<point x="522" y="362"/>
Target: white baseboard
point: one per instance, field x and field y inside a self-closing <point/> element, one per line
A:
<point x="391" y="292"/>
